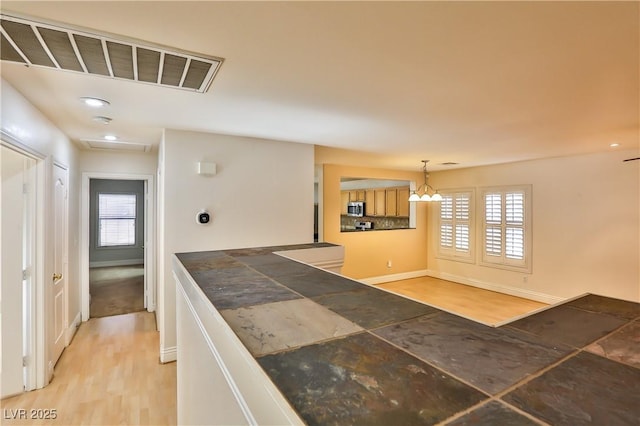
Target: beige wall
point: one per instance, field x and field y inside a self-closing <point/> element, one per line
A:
<point x="119" y="162"/>
<point x="367" y="253"/>
<point x="261" y="195"/>
<point x="586" y="226"/>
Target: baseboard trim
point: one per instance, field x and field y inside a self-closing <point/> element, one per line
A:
<point x="393" y="277"/>
<point x="126" y="262"/>
<point x="72" y="329"/>
<point x="512" y="291"/>
<point x="168" y="354"/>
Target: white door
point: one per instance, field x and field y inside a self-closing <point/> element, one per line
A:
<point x="59" y="279"/>
<point x="14" y="254"/>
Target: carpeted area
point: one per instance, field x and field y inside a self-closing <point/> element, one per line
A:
<point x="116" y="290"/>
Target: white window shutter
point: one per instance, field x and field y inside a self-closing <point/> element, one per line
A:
<point x="506" y="222"/>
<point x="456" y="225"/>
<point x="462" y="237"/>
<point x="446" y="235"/>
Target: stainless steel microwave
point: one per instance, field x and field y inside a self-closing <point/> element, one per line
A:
<point x="355" y="208"/>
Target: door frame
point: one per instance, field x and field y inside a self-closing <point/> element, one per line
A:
<point x="149" y="232"/>
<point x="35" y="345"/>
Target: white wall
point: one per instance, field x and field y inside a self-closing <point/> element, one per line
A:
<point x="262" y="195"/>
<point x="586" y="223"/>
<point x="27" y="127"/>
<point x="118" y="162"/>
<point x="24" y="122"/>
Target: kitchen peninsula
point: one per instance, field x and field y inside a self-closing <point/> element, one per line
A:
<point x="265" y="339"/>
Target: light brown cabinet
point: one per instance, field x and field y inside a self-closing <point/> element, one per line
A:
<point x="369" y="202"/>
<point x="403" y="202"/>
<point x="378" y="201"/>
<point x="344" y="200"/>
<point x="356" y="195"/>
<point x="391" y="202"/>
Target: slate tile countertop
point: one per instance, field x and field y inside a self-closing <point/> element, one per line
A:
<point x="343" y="352"/>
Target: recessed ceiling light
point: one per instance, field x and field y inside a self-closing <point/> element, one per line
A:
<point x="613" y="145"/>
<point x="102" y="119"/>
<point x="95" y="102"/>
<point x="110" y="138"/>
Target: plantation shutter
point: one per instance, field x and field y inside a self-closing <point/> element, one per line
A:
<point x="116" y="220"/>
<point x="462" y="208"/>
<point x="505" y="227"/>
<point x="493" y="224"/>
<point x="446" y="222"/>
<point x="514" y="225"/>
<point x="455" y="225"/>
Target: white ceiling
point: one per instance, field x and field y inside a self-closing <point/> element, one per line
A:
<point x="468" y="82"/>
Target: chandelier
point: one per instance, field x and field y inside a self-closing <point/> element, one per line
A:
<point x="425" y="188"/>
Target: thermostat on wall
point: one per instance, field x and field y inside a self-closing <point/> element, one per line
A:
<point x="203" y="217"/>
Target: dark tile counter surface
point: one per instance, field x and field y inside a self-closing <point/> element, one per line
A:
<point x="344" y="353"/>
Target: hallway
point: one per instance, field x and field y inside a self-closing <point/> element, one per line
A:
<point x="110" y="374"/>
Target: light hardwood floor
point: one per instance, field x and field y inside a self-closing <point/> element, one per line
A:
<point x="487" y="307"/>
<point x="110" y="374"/>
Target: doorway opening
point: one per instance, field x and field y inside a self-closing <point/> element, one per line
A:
<point x="116" y="247"/>
<point x="117" y="237"/>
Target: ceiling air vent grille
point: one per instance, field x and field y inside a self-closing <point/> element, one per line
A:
<point x="53" y="46"/>
<point x="116" y="146"/>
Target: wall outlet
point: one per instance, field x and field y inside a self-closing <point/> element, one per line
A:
<point x="389" y="264"/>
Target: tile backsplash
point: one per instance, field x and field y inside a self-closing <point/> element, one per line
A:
<point x="348" y="223"/>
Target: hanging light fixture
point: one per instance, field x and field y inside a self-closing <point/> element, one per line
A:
<point x="425" y="188"/>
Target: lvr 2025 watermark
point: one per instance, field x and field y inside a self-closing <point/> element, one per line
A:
<point x="29" y="414"/>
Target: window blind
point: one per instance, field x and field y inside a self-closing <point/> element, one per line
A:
<point x="116" y="220"/>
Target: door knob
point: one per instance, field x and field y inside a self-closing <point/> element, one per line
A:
<point x="57" y="277"/>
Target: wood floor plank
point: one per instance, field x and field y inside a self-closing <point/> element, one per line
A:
<point x="487" y="307"/>
<point x="110" y="374"/>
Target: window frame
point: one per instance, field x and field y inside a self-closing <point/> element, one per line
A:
<point x="453" y="253"/>
<point x="135" y="218"/>
<point x="503" y="261"/>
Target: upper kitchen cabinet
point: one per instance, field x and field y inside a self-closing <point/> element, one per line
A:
<point x="391" y="204"/>
<point x="380" y="206"/>
<point x="344" y="201"/>
<point x="357" y="195"/>
<point x="403" y="201"/>
<point x="370" y="202"/>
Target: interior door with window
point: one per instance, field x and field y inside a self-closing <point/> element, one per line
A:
<point x="59" y="279"/>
